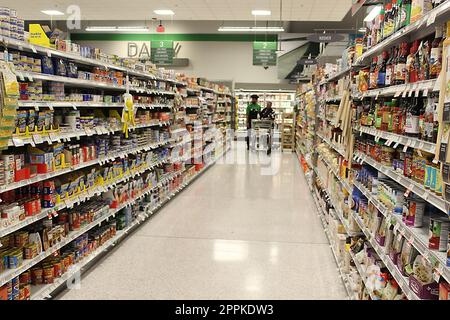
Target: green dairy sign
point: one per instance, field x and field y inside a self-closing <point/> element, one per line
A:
<point x="162" y="52"/>
<point x="264" y="53"/>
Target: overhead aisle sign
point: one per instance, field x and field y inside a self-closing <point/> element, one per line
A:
<point x="264" y="53"/>
<point x="162" y="52"/>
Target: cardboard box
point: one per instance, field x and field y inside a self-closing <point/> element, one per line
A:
<point x="427" y="291"/>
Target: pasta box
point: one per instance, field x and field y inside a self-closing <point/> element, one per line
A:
<point x="425" y="291"/>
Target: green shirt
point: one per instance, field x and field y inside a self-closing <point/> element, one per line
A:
<point x="253" y="106"/>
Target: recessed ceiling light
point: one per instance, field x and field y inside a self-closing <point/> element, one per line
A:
<point x="164" y="12"/>
<point x="52" y="12"/>
<point x="261" y="12"/>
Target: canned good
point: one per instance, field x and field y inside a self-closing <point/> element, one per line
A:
<point x="37" y="276"/>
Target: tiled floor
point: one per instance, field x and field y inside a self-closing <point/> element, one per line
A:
<point x="235" y="233"/>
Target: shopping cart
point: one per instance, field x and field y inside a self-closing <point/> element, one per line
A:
<point x="261" y="134"/>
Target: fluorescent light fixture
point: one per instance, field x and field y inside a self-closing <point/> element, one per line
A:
<point x="131" y="29"/>
<point x="373" y="13"/>
<point x="164" y="12"/>
<point x="251" y="29"/>
<point x="261" y="12"/>
<point x="117" y="29"/>
<point x="52" y="12"/>
<point x="94" y="29"/>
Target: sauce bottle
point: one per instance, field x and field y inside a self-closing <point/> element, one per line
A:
<point x="400" y="68"/>
<point x="436" y="54"/>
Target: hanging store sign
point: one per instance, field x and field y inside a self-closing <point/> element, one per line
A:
<point x="162" y="52"/>
<point x="325" y="37"/>
<point x="264" y="53"/>
<point x="307" y="62"/>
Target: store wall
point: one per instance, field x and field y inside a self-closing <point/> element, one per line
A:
<point x="214" y="60"/>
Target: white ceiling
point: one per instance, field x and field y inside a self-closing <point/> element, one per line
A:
<point x="293" y="10"/>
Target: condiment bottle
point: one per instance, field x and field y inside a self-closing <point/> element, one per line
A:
<point x="436" y="54"/>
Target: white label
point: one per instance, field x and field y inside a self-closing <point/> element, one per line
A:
<point x="30" y="77"/>
<point x="405" y="148"/>
<point x="396" y="145"/>
<point x="20" y="75"/>
<point x="49" y="54"/>
<point x="431" y="18"/>
<point x="404" y="93"/>
<point x="18" y="142"/>
<point x="425" y="92"/>
<point x="33" y="48"/>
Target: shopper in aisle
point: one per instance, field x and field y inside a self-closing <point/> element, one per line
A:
<point x="252" y="112"/>
<point x="268" y="114"/>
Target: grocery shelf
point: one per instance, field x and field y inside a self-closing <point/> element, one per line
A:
<point x="76" y="199"/>
<point x="26" y="46"/>
<point x="393" y="138"/>
<point x="321" y="213"/>
<point x="66" y="135"/>
<point x="70" y="168"/>
<point x="75" y="82"/>
<point x="339" y="212"/>
<point x="418" y="237"/>
<point x="338" y="75"/>
<point x="331" y="144"/>
<point x="334" y="99"/>
<point x="344" y="182"/>
<point x="402" y="90"/>
<point x="362" y="273"/>
<point x="402" y="281"/>
<point x="411" y="185"/>
<point x="424" y="25"/>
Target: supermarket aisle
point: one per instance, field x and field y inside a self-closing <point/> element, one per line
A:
<point x="233" y="234"/>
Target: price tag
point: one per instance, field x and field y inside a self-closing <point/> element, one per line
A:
<point x="396" y="145"/>
<point x="20" y="75"/>
<point x="30" y="77"/>
<point x="36" y="107"/>
<point x="431" y="18"/>
<point x="37" y="138"/>
<point x="68" y="203"/>
<point x="436" y="275"/>
<point x="50" y="107"/>
<point x="405" y="148"/>
<point x="435" y="161"/>
<point x="18" y="142"/>
<point x="74" y="106"/>
<point x="410" y="94"/>
<point x="98" y="130"/>
<point x="49" y="54"/>
<point x="425" y="92"/>
<point x="32" y="143"/>
<point x="397" y="94"/>
<point x="33" y="48"/>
